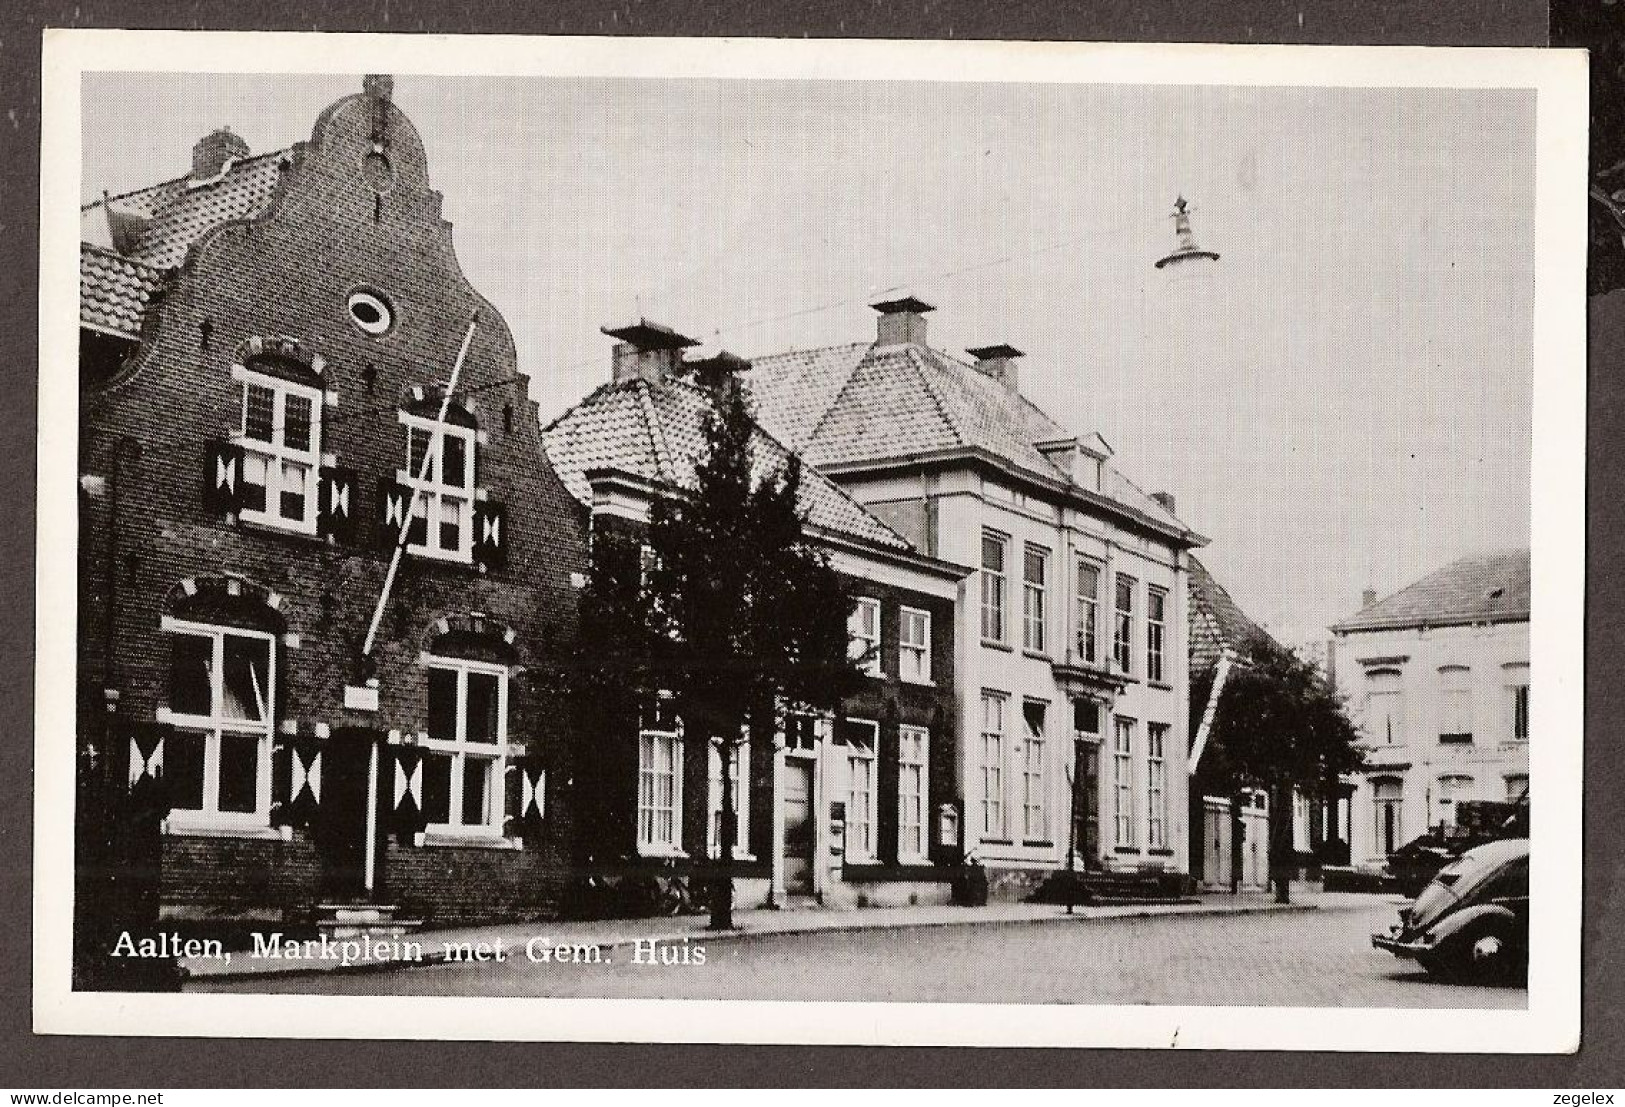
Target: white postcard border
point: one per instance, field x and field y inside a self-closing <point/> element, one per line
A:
<point x="1552" y="1021"/>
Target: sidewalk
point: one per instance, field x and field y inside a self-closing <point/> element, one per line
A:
<point x="434" y="944"/>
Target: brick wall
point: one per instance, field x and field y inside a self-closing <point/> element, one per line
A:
<point x="288" y="273"/>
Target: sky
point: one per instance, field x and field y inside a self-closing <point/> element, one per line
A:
<point x="1341" y="401"/>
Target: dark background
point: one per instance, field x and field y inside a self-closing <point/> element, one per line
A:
<point x="30" y="1061"/>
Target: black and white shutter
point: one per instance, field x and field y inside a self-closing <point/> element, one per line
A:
<point x="526" y="794"/>
<point x="394" y="501"/>
<point x="222" y="475"/>
<point x="491" y="534"/>
<point x="406" y="793"/>
<point x="296" y="781"/>
<point x="338" y="500"/>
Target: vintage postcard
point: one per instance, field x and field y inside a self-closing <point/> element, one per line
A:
<point x="816" y="542"/>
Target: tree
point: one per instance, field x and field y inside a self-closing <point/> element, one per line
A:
<point x="1279" y="726"/>
<point x="726" y="604"/>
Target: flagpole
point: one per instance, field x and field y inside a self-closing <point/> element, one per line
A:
<point x="437" y="436"/>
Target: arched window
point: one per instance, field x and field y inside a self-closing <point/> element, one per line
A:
<point x="466" y="750"/>
<point x="1385" y="706"/>
<point x="281" y="438"/>
<point x="221" y="702"/>
<point x="1455" y="704"/>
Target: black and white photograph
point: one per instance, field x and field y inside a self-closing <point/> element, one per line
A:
<point x="761" y="541"/>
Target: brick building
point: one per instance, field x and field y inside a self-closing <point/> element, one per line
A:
<point x="859" y="806"/>
<point x="1071" y="647"/>
<point x="268" y="353"/>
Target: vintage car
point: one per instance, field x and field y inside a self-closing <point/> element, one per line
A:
<point x="1472" y="920"/>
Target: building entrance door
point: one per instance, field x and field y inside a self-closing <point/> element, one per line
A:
<point x="340" y="830"/>
<point x="1086" y="832"/>
<point x="799" y="826"/>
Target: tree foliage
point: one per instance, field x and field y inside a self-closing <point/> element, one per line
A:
<point x="1279" y="724"/>
<point x="726" y="604"/>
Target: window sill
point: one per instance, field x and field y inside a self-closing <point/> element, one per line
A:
<point x="1040" y="843"/>
<point x="917" y="683"/>
<point x="1161" y="686"/>
<point x="739" y="855"/>
<point x="269" y="524"/>
<point x="187" y="828"/>
<point x="667" y="853"/>
<point x="989" y="643"/>
<point x="1038" y="655"/>
<point x="442" y="836"/>
<point x="1126" y="849"/>
<point x="1160" y="852"/>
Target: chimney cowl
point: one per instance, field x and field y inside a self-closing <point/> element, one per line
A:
<point x="1368" y="597"/>
<point x="647" y="351"/>
<point x="902" y="320"/>
<point x="999" y="362"/>
<point x="215" y="150"/>
<point x="378" y="86"/>
<point x="1166" y="499"/>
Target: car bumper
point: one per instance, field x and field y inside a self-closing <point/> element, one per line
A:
<point x="1402" y="947"/>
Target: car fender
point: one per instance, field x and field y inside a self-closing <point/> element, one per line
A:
<point x="1455" y="923"/>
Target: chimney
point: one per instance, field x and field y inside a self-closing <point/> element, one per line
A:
<point x="998" y="362"/>
<point x="1166" y="499"/>
<point x="717" y="370"/>
<point x="211" y="152"/>
<point x="1367" y="598"/>
<point x="902" y="321"/>
<point x="647" y="351"/>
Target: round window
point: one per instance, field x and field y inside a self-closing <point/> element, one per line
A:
<point x="370" y="312"/>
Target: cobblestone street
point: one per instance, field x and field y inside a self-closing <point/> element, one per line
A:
<point x="1317" y="958"/>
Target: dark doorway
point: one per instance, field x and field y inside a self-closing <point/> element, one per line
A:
<point x="340" y="830"/>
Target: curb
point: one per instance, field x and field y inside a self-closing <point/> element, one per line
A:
<point x="441" y="957"/>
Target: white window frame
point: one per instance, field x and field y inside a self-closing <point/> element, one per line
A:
<point x="865" y="642"/>
<point x="1450" y="788"/>
<point x="996" y="590"/>
<point x="1123" y="625"/>
<point x="914" y="654"/>
<point x="1156" y="634"/>
<point x="651" y="739"/>
<point x="1034" y="779"/>
<point x="1123" y="729"/>
<point x="913" y="783"/>
<point x="862" y="805"/>
<point x="431" y="494"/>
<point x="1156" y="785"/>
<point x="1517" y="684"/>
<point x="460" y="748"/>
<point x="994" y="741"/>
<point x="739" y="760"/>
<point x="1456" y="703"/>
<point x="1035" y="599"/>
<point x="1088" y="612"/>
<point x="1385" y="706"/>
<point x="215" y="724"/>
<point x="275" y="454"/>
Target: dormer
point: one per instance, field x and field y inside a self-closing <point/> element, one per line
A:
<point x="1083" y="459"/>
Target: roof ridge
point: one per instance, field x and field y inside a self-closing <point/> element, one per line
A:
<point x="658" y="447"/>
<point x="839" y="393"/>
<point x="806" y="466"/>
<point x="918" y="362"/>
<point x="177" y="180"/>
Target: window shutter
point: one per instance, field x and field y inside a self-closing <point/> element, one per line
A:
<point x="406" y="793"/>
<point x="337" y="503"/>
<point x="394" y="501"/>
<point x="526" y="793"/>
<point x="491" y="534"/>
<point x="296" y="781"/>
<point x="222" y="475"/>
<point x="142" y="747"/>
